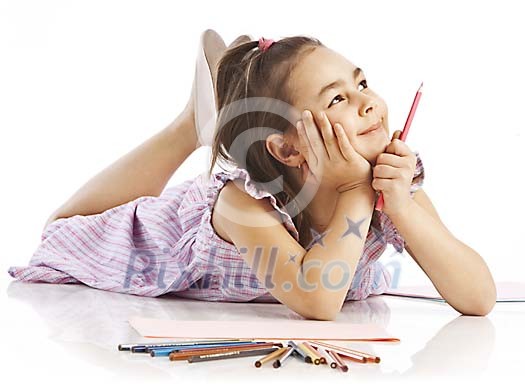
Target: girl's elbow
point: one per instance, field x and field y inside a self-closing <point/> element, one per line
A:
<point x="322" y="316"/>
<point x="487" y="301"/>
<point x="320" y="312"/>
<point x="483" y="307"/>
<point x="327" y="315"/>
<point x="487" y="305"/>
<point x="479" y="311"/>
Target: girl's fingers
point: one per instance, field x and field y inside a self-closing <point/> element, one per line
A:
<point x="347" y="149"/>
<point x="304" y="143"/>
<point x="316" y="143"/>
<point x="329" y="138"/>
<point x="310" y="158"/>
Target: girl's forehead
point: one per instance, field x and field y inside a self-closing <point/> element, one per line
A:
<point x="317" y="69"/>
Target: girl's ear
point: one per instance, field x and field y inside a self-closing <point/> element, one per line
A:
<point x="282" y="151"/>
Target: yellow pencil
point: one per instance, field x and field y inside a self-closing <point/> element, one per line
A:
<point x="306" y="347"/>
<point x="318" y="355"/>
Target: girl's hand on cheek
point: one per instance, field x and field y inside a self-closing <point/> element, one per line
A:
<point x="393" y="174"/>
<point x="330" y="155"/>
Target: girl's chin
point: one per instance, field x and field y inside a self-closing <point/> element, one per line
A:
<point x="374" y="145"/>
<point x="374" y="137"/>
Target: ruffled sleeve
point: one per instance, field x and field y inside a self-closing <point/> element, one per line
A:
<point x="256" y="192"/>
<point x="419" y="175"/>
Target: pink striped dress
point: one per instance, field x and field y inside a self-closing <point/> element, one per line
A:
<point x="152" y="246"/>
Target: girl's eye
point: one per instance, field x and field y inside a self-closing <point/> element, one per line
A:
<point x="336" y="97"/>
<point x="363" y="82"/>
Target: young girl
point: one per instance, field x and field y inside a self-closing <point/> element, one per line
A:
<point x="292" y="222"/>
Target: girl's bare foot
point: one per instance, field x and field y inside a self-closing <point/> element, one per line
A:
<point x="239" y="40"/>
<point x="214" y="49"/>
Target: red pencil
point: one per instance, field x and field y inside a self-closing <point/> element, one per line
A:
<point x="404" y="133"/>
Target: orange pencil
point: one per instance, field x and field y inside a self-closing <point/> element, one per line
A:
<point x="340" y="364"/>
<point x="351" y="356"/>
<point x="329" y="360"/>
<point x="367" y="357"/>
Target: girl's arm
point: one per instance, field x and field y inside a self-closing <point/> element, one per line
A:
<point x="313" y="283"/>
<point x="456" y="270"/>
<point x="144" y="171"/>
<point x="331" y="263"/>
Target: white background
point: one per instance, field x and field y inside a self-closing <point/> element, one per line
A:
<point x="82" y="83"/>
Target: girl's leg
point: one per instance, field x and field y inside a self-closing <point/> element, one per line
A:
<point x="143" y="171"/>
<point x="147" y="169"/>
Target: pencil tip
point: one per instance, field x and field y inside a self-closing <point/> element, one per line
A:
<point x="421" y="87"/>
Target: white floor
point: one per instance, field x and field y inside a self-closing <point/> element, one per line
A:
<point x="64" y="334"/>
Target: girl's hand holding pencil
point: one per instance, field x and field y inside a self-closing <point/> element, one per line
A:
<point x="393" y="175"/>
<point x="395" y="168"/>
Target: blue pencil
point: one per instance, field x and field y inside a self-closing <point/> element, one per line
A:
<point x="145" y="347"/>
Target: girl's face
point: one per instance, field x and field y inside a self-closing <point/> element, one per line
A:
<point x="326" y="81"/>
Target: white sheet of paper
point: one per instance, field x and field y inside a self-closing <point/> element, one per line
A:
<point x="507" y="292"/>
<point x="262" y="329"/>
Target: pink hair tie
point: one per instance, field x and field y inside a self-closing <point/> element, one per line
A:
<point x="264" y="44"/>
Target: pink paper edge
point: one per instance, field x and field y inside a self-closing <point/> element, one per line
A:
<point x="383" y="339"/>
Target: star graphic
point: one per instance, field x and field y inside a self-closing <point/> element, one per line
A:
<point x="353" y="227"/>
<point x="379" y="234"/>
<point x="292" y="258"/>
<point x="287" y="286"/>
<point x="317" y="238"/>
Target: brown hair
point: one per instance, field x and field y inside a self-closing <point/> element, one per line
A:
<point x="244" y="73"/>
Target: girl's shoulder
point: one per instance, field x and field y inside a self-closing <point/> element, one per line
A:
<point x="237" y="187"/>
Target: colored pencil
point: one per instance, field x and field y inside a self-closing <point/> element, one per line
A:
<point x="368" y="357"/>
<point x="353" y="357"/>
<point x="404" y="133"/>
<point x="329" y="360"/>
<point x="150" y="349"/>
<point x="141" y="346"/>
<point x="285" y="355"/>
<point x="232" y="354"/>
<point x="245" y="345"/>
<point x="299" y="352"/>
<point x="340" y="364"/>
<point x="309" y="356"/>
<point x="322" y="360"/>
<point x="177" y="356"/>
<point x="270" y="357"/>
<point x="164" y="352"/>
